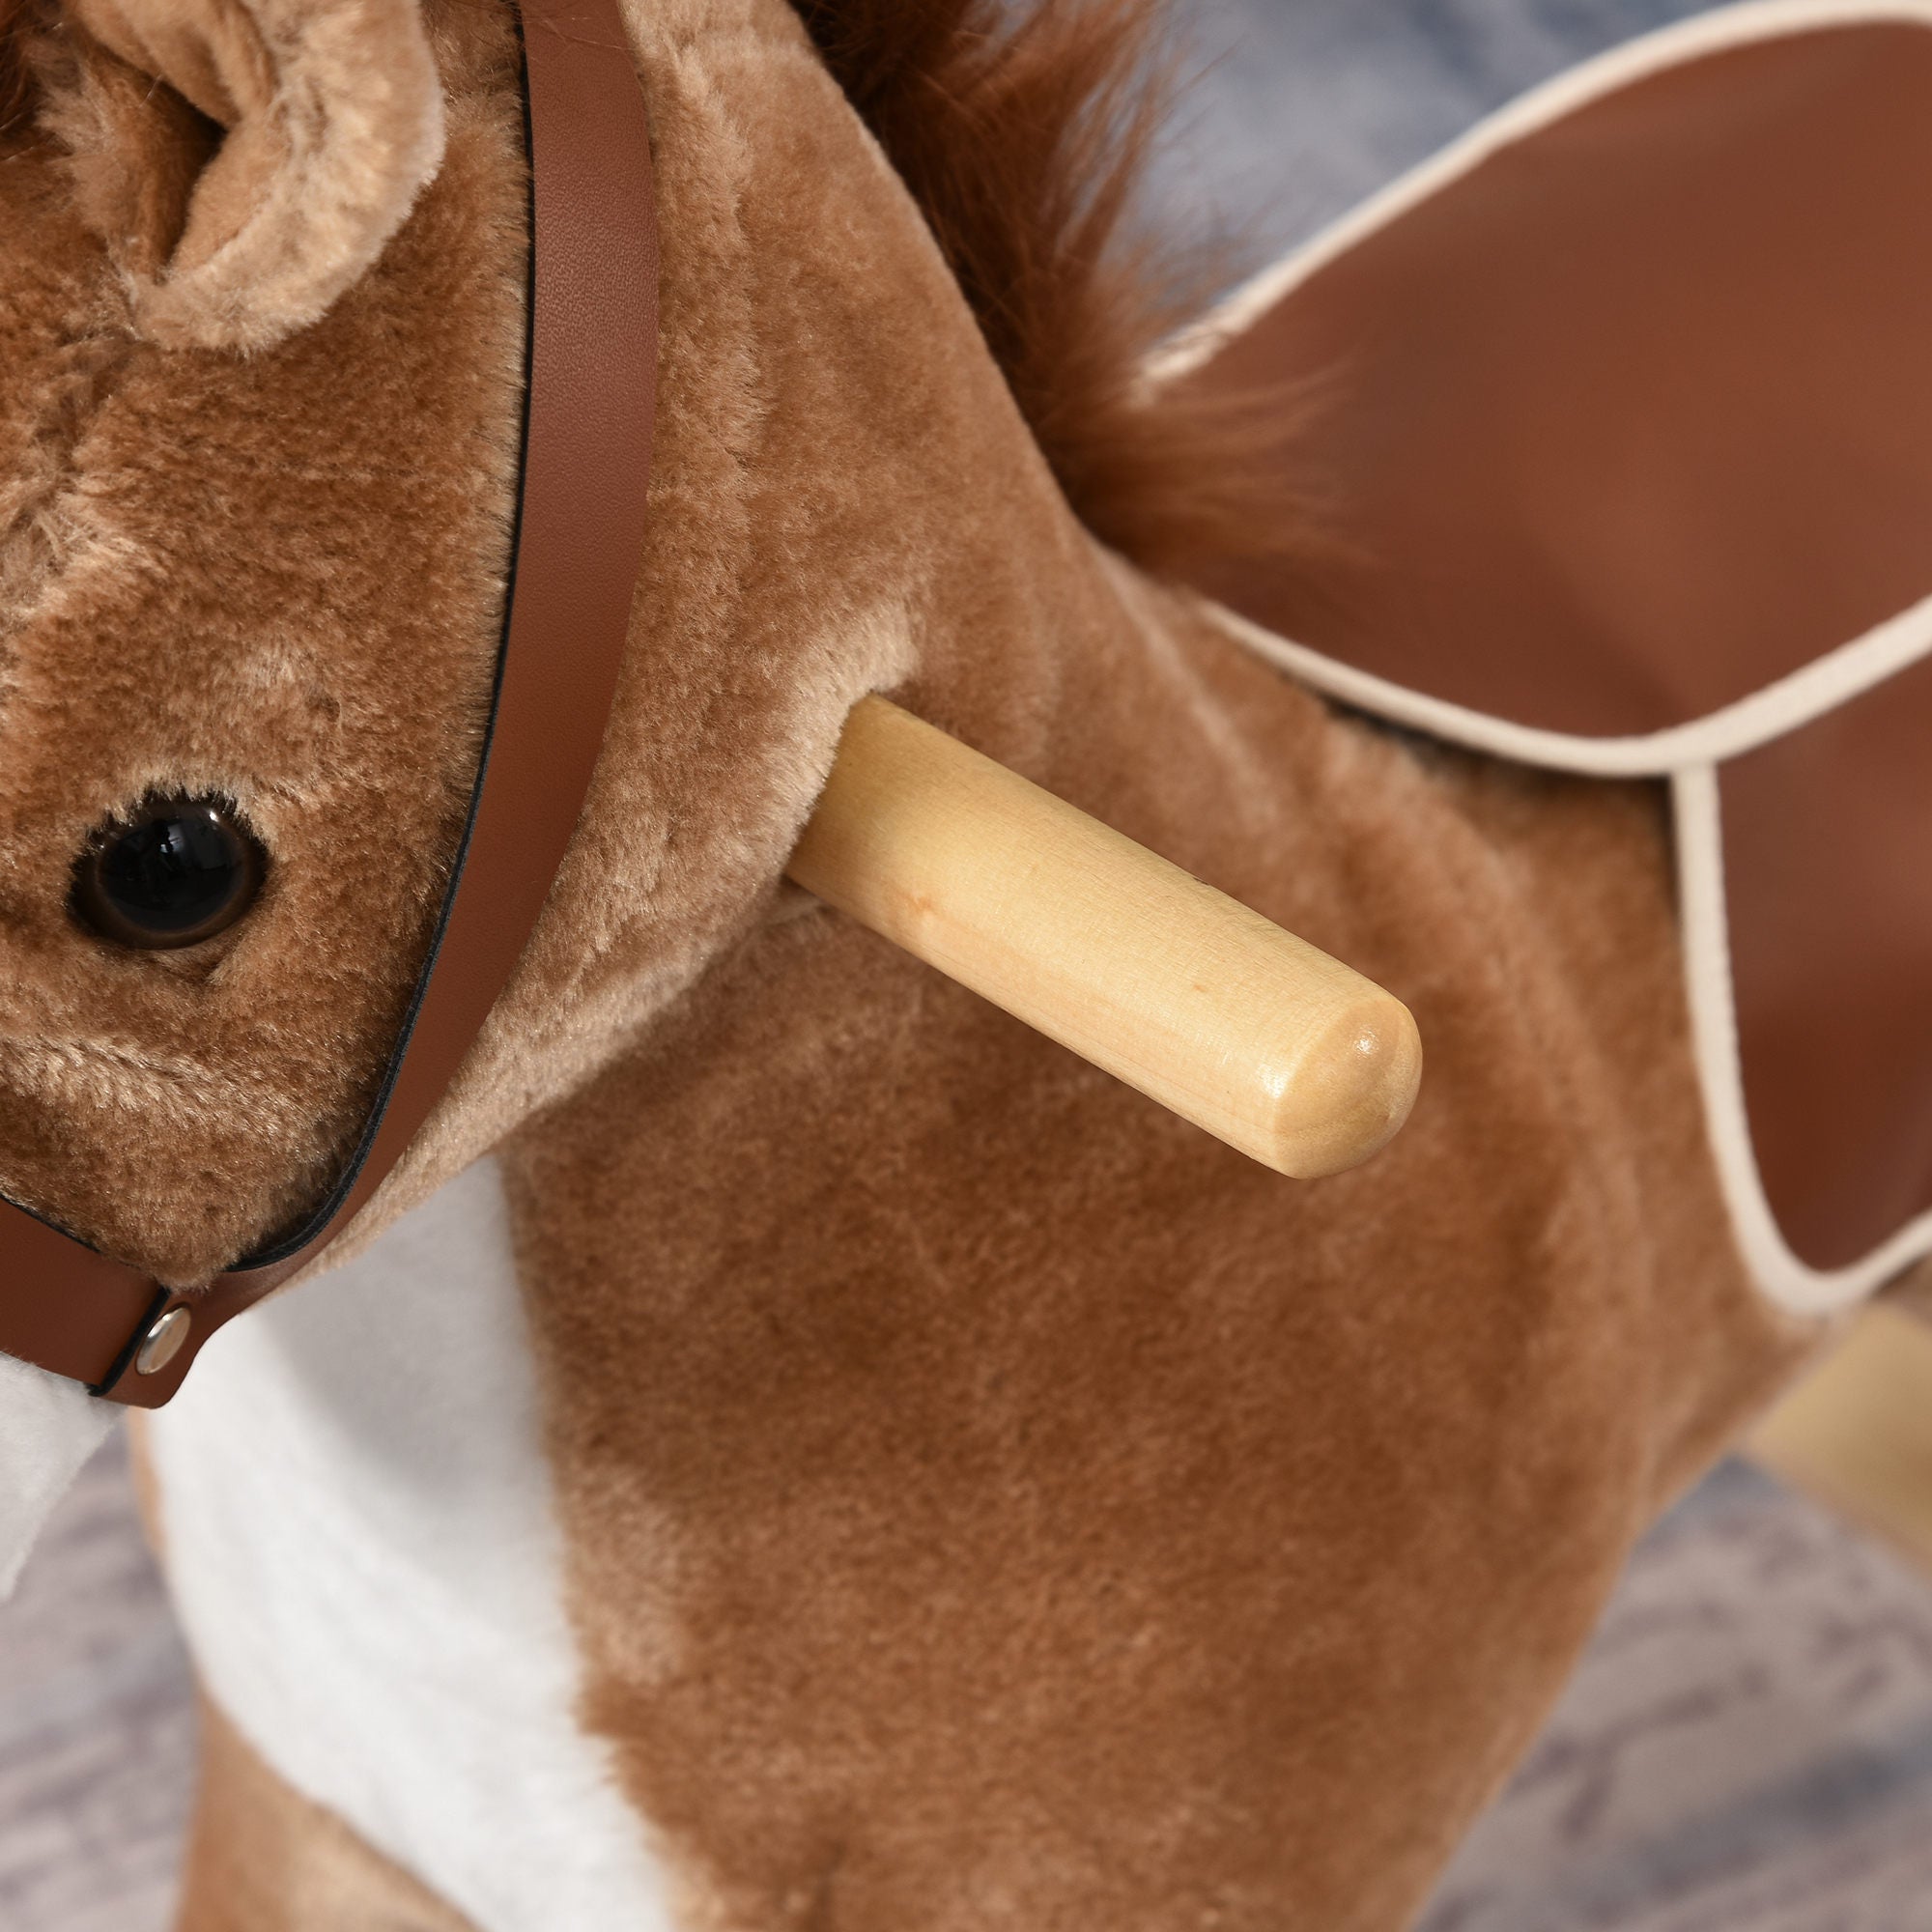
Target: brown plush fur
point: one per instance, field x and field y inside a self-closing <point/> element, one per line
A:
<point x="992" y="1504"/>
<point x="989" y="1503"/>
<point x="993" y="1508"/>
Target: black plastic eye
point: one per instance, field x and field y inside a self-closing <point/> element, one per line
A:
<point x="178" y="871"/>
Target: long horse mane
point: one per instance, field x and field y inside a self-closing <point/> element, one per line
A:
<point x="16" y="81"/>
<point x="1022" y="128"/>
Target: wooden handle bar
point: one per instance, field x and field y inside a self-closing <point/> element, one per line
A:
<point x="1164" y="983"/>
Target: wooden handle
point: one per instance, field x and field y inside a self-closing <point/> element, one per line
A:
<point x="1166" y="984"/>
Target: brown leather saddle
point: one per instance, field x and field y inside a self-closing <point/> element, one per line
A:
<point x="1622" y="413"/>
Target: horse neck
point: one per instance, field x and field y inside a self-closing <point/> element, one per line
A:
<point x="846" y="498"/>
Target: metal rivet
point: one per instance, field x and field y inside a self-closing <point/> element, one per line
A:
<point x="162" y="1342"/>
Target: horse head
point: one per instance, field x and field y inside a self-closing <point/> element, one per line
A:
<point x="263" y="390"/>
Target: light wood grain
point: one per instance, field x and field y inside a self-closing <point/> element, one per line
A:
<point x="1176" y="989"/>
<point x="1857" y="1433"/>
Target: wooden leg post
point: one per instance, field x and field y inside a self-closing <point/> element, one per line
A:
<point x="1857" y="1433"/>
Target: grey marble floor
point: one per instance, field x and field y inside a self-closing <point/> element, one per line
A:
<point x="1749" y="1745"/>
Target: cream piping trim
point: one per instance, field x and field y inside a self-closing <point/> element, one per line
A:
<point x="1691" y="768"/>
<point x="1689" y="757"/>
<point x="1773" y="711"/>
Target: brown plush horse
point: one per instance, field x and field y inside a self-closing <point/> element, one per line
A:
<point x="789" y="1447"/>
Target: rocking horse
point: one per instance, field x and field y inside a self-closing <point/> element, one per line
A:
<point x="535" y="545"/>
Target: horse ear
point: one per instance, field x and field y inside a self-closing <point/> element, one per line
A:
<point x="308" y="130"/>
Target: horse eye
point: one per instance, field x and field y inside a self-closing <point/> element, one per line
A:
<point x="177" y="872"/>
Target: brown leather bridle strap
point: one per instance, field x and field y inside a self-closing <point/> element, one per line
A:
<point x="581" y="523"/>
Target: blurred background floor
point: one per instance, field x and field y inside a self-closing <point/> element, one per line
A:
<point x="1747" y="1747"/>
<point x="97" y="1724"/>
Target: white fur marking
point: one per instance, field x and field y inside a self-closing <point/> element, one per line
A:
<point x="362" y="1539"/>
<point x="48" y="1427"/>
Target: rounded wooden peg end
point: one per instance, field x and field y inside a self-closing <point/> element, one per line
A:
<point x="1348" y="1091"/>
